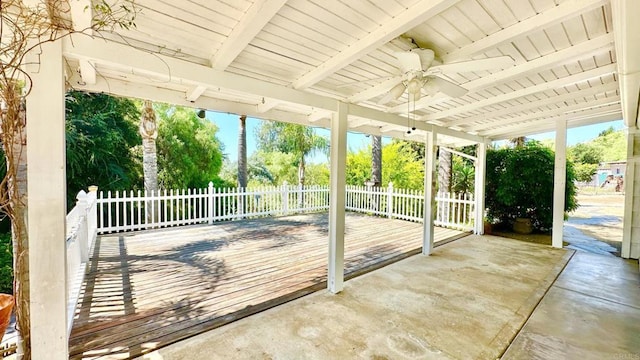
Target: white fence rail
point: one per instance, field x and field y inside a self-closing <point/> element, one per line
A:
<point x="81" y="234"/>
<point x="129" y="211"/>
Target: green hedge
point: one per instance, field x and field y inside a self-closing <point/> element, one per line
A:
<point x="6" y="264"/>
<point x="519" y="184"/>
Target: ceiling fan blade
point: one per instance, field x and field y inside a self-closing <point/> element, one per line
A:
<point x="447" y="87"/>
<point x="426" y="57"/>
<point x="492" y="63"/>
<point x="393" y="94"/>
<point x="409" y="61"/>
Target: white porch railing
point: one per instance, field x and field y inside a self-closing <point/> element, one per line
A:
<point x="129" y="211"/>
<point x="81" y="234"/>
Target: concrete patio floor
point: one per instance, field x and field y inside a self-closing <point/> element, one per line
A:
<point x="591" y="312"/>
<point x="466" y="301"/>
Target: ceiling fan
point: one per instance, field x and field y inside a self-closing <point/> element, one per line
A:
<point x="421" y="74"/>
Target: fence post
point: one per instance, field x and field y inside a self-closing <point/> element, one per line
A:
<point x="92" y="215"/>
<point x="210" y="203"/>
<point x="390" y="200"/>
<point x="285" y="198"/>
<point x="82" y="233"/>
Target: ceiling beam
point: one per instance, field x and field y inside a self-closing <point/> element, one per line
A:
<point x="256" y="17"/>
<point x="565" y="10"/>
<point x="356" y="123"/>
<point x="408" y="19"/>
<point x="599" y="44"/>
<point x="564" y="81"/>
<point x="584" y="105"/>
<point x="627" y="41"/>
<point x="164" y="68"/>
<point x="604" y="110"/>
<point x="318" y="115"/>
<point x="82" y="17"/>
<point x="529" y="105"/>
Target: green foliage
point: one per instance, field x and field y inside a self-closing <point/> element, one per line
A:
<point x="6" y="264"/>
<point x="100" y="132"/>
<point x="189" y="154"/>
<point x="295" y="139"/>
<point x="585" y="172"/>
<point x="585" y="153"/>
<point x="520" y="184"/>
<point x="463" y="176"/>
<point x="400" y="165"/>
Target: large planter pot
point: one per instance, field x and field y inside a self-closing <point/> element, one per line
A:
<point x="6" y="305"/>
<point x="523" y="226"/>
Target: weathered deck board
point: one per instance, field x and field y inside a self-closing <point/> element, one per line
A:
<point x="148" y="289"/>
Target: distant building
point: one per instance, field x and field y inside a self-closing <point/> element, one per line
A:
<point x="608" y="170"/>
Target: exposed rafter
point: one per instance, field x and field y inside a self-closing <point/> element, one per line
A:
<point x="267" y="104"/>
<point x="412" y="16"/>
<point x="627" y="30"/>
<point x="530" y="105"/>
<point x="601" y="43"/>
<point x="586" y="105"/>
<point x="258" y="15"/>
<point x="527" y="130"/>
<point x="561" y="12"/>
<point x="604" y="110"/>
<point x="318" y="115"/>
<point x="194" y="93"/>
<point x="565" y="81"/>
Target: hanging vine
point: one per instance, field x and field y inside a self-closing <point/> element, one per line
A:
<point x="24" y="26"/>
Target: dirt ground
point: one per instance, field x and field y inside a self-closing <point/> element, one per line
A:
<point x="596" y="226"/>
<point x="599" y="217"/>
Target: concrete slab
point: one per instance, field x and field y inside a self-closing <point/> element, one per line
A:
<point x="591" y="312"/>
<point x="468" y="300"/>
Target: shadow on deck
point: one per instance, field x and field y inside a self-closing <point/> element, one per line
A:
<point x="148" y="289"/>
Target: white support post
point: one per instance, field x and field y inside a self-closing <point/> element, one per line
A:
<point x="47" y="206"/>
<point x="429" y="191"/>
<point x="559" y="183"/>
<point x="285" y="198"/>
<point x="335" y="281"/>
<point x="481" y="174"/>
<point x="631" y="225"/>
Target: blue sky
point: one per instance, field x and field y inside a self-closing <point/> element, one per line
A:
<point x="228" y="135"/>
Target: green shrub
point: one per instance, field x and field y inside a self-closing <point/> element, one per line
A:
<point x="519" y="184"/>
<point x="6" y="264"/>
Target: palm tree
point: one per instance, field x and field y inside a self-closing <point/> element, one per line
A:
<point x="149" y="132"/>
<point x="242" y="152"/>
<point x="444" y="170"/>
<point x="297" y="139"/>
<point x="376" y="160"/>
<point x="242" y="159"/>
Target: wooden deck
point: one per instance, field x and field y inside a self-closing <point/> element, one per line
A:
<point x="149" y="289"/>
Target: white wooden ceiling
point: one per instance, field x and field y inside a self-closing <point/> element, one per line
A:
<point x="291" y="59"/>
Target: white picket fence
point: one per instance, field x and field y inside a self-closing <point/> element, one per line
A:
<point x="129" y="211"/>
<point x="82" y="229"/>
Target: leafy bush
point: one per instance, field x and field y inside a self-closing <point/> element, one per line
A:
<point x="6" y="264"/>
<point x="520" y="185"/>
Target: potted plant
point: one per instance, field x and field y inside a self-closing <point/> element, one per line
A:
<point x="6" y="305"/>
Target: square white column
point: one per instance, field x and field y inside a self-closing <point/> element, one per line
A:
<point x="559" y="183"/>
<point x="335" y="281"/>
<point x="47" y="205"/>
<point x="429" y="191"/>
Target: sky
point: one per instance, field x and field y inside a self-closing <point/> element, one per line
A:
<point x="228" y="134"/>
